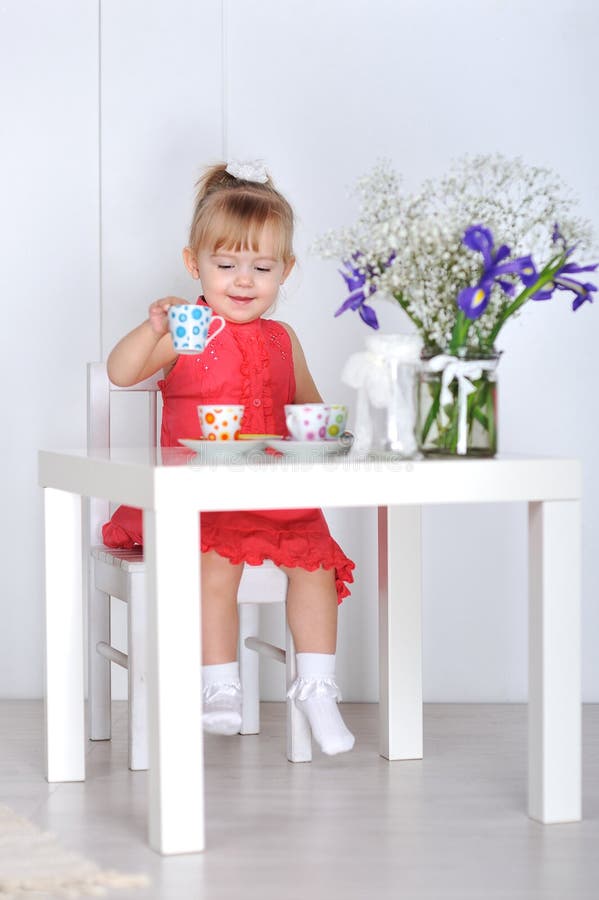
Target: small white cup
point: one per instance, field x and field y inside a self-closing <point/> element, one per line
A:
<point x="307" y="421"/>
<point x="220" y="422"/>
<point x="189" y="325"/>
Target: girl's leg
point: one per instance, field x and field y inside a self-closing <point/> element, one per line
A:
<point x="220" y="618"/>
<point x="312" y="617"/>
<point x="220" y="672"/>
<point x="312" y="609"/>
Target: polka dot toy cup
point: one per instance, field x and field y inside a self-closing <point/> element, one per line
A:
<point x="220" y="423"/>
<point x="189" y="325"/>
<point x="307" y="421"/>
<point x="336" y="421"/>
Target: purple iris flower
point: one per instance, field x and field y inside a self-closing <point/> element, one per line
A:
<point x="561" y="280"/>
<point x="474" y="300"/>
<point x="356" y="281"/>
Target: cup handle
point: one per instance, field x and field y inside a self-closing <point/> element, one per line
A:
<point x="218" y="331"/>
<point x="290" y="422"/>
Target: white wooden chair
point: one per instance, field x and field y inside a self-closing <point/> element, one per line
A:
<point x="120" y="573"/>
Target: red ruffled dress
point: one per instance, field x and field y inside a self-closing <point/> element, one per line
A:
<point x="249" y="364"/>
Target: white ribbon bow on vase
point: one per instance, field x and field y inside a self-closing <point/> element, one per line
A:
<point x="463" y="370"/>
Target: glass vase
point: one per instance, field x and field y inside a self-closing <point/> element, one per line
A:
<point x="457" y="405"/>
<point x="386" y="377"/>
<point x="392" y="398"/>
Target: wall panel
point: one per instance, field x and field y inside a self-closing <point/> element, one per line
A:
<point x="161" y="104"/>
<point x="49" y="280"/>
<point x="161" y="121"/>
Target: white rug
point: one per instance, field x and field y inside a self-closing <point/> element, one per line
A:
<point x="33" y="864"/>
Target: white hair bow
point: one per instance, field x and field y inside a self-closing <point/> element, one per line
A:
<point x="252" y="170"/>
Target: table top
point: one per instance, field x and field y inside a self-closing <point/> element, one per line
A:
<point x="154" y="478"/>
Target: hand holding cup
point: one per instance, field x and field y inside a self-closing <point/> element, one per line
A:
<point x="158" y="313"/>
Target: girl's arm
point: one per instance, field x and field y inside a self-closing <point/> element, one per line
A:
<point x="305" y="388"/>
<point x="146" y="349"/>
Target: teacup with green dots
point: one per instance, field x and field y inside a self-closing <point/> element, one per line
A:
<point x="336" y="421"/>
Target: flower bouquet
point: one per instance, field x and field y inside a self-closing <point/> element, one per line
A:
<point x="461" y="256"/>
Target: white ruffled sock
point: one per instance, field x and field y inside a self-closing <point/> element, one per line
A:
<point x="316" y="692"/>
<point x="221" y="694"/>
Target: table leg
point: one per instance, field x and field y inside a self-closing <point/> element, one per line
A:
<point x="400" y="632"/>
<point x="64" y="709"/>
<point x="176" y="776"/>
<point x="554" y="704"/>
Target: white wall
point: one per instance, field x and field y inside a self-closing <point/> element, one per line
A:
<point x="161" y="113"/>
<point x="320" y="90"/>
<point x="329" y="88"/>
<point x="49" y="286"/>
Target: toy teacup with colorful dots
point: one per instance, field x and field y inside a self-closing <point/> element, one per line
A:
<point x="307" y="421"/>
<point x="336" y="421"/>
<point x="189" y="325"/>
<point x="220" y="423"/>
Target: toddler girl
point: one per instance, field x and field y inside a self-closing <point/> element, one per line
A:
<point x="240" y="249"/>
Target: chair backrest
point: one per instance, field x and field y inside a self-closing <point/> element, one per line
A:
<point x="99" y="392"/>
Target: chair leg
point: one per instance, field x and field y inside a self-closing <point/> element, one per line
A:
<point x="249" y="669"/>
<point x="99" y="695"/>
<point x="299" y="736"/>
<point x="137" y="667"/>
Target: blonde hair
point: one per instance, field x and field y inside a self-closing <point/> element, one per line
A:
<point x="231" y="213"/>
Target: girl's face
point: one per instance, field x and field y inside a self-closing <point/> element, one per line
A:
<point x="239" y="285"/>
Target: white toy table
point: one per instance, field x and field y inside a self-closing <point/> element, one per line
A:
<point x="171" y="488"/>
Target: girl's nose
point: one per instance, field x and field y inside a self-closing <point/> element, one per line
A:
<point x="244" y="276"/>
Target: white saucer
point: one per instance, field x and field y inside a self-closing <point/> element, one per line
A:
<point x="222" y="449"/>
<point x="309" y="449"/>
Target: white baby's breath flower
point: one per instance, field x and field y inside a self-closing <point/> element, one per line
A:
<point x="409" y="246"/>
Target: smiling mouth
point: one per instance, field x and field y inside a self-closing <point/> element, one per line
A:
<point x="240" y="299"/>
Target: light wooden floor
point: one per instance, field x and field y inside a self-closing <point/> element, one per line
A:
<point x="355" y="827"/>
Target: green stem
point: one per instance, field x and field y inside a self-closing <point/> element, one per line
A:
<point x="544" y="278"/>
<point x="452" y="431"/>
<point x="476" y="402"/>
<point x="404" y="305"/>
<point x="491" y="429"/>
<point x="433" y="411"/>
<point x="460" y="332"/>
<point x="480" y="399"/>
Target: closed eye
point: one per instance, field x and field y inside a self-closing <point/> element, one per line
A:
<point x="262" y="269"/>
<point x="224" y="266"/>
